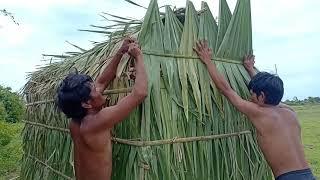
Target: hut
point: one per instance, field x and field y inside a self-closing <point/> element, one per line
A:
<point x="185" y="129"/>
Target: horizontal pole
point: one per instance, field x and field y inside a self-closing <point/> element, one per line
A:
<point x="106" y="92"/>
<point x="140" y="143"/>
<point x="49" y="167"/>
<point x="117" y="91"/>
<point x="40" y="102"/>
<point x="177" y="139"/>
<point x="126" y="90"/>
<point x="47" y="126"/>
<point x="179" y="56"/>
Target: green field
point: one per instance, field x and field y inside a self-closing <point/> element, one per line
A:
<point x="309" y="116"/>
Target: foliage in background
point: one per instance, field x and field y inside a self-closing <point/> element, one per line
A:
<point x="10" y="148"/>
<point x="6" y="134"/>
<point x="12" y="107"/>
<point x="309" y="100"/>
<point x="3" y="112"/>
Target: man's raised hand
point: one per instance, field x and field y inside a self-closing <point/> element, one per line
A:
<point x="125" y="45"/>
<point x="134" y="50"/>
<point x="203" y="51"/>
<point x="248" y="62"/>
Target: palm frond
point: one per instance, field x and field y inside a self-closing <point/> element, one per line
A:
<point x="136" y="4"/>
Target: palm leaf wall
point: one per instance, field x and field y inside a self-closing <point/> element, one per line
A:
<point x="185" y="129"/>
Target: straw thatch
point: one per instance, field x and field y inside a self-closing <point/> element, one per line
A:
<point x="185" y="129"/>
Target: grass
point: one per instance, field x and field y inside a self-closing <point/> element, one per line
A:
<point x="310" y="123"/>
<point x="11" y="150"/>
<point x="308" y="115"/>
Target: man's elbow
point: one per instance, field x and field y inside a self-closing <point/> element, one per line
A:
<point x="225" y="90"/>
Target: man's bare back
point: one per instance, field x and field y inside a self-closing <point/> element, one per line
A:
<point x="280" y="141"/>
<point x="92" y="153"/>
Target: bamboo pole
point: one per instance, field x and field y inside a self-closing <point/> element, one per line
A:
<point x="139" y="143"/>
<point x="178" y="56"/>
<point x="126" y="90"/>
<point x="47" y="126"/>
<point x="117" y="91"/>
<point x="49" y="167"/>
<point x="177" y="139"/>
<point x="106" y="92"/>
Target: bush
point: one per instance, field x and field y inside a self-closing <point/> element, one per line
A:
<point x="3" y="112"/>
<point x="10" y="148"/>
<point x="13" y="105"/>
<point x="6" y="134"/>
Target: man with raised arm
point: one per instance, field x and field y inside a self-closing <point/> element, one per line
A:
<point x="278" y="130"/>
<point x="81" y="100"/>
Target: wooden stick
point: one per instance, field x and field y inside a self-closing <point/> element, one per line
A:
<point x="179" y="56"/>
<point x="106" y="92"/>
<point x="139" y="143"/>
<point x="177" y="140"/>
<point x="46" y="126"/>
<point x="49" y="167"/>
<point x="40" y="102"/>
<point x="117" y="91"/>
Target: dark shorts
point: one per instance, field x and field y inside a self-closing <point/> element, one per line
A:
<point x="304" y="174"/>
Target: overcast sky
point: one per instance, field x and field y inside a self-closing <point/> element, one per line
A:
<point x="285" y="32"/>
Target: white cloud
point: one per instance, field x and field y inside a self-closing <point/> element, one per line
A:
<point x="12" y="34"/>
<point x="285" y="18"/>
<point x="17" y="62"/>
<point x="40" y="5"/>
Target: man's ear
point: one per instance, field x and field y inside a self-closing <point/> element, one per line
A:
<point x="86" y="105"/>
<point x="262" y="96"/>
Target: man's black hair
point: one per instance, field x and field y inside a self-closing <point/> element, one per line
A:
<point x="74" y="90"/>
<point x="271" y="85"/>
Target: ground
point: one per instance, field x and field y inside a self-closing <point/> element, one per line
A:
<point x="309" y="116"/>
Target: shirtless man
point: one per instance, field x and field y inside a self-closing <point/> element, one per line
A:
<point x="278" y="130"/>
<point x="81" y="99"/>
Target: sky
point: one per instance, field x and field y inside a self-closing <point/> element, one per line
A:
<point x="285" y="33"/>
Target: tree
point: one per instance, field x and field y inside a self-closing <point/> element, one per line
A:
<point x="3" y="112"/>
<point x="12" y="104"/>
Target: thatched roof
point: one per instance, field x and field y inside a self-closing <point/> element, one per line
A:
<point x="185" y="129"/>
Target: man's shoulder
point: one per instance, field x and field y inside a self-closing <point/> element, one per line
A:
<point x="283" y="116"/>
<point x="89" y="123"/>
<point x="268" y="115"/>
<point x="277" y="110"/>
<point x="285" y="112"/>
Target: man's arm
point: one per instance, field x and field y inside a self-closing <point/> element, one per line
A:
<point x="109" y="73"/>
<point x="110" y="116"/>
<point x="248" y="63"/>
<point x="248" y="108"/>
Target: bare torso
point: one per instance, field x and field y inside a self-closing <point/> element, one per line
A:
<point x="92" y="154"/>
<point x="280" y="141"/>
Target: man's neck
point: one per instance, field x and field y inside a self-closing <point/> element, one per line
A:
<point x="93" y="111"/>
<point x="267" y="105"/>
